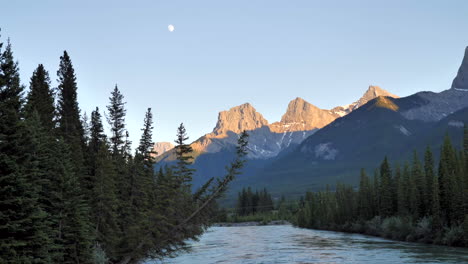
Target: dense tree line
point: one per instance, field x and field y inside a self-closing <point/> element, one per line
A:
<point x="249" y="202"/>
<point x="414" y="202"/>
<point x="71" y="194"/>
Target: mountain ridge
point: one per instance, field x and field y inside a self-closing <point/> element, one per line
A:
<point x="300" y="120"/>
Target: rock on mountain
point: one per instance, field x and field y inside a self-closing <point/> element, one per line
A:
<point x="162" y="147"/>
<point x="238" y="119"/>
<point x="431" y="107"/>
<point x="302" y="116"/>
<point x="266" y="141"/>
<point x="371" y="93"/>
<point x="461" y="80"/>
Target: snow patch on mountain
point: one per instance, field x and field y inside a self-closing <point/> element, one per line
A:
<point x="325" y="151"/>
<point x="456" y="123"/>
<point x="403" y="130"/>
<point x="461" y="89"/>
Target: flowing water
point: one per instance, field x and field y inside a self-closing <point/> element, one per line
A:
<point x="287" y="244"/>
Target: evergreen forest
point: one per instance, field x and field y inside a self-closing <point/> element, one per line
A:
<point x="70" y="193"/>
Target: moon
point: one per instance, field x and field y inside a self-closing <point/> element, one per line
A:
<point x="171" y="28"/>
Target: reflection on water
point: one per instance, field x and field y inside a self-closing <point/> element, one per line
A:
<point x="287" y="244"/>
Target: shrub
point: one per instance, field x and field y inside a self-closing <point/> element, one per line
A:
<point x="423" y="231"/>
<point x="99" y="255"/>
<point x="453" y="236"/>
<point x="358" y="227"/>
<point x="398" y="228"/>
<point x="373" y="226"/>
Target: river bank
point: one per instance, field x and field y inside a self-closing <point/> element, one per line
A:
<point x="251" y="223"/>
<point x="403" y="229"/>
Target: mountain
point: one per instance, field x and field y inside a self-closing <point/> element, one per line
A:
<point x="162" y="147"/>
<point x="238" y="119"/>
<point x="461" y="80"/>
<point x="384" y="126"/>
<point x="267" y="142"/>
<point x="302" y="116"/>
<point x="371" y="93"/>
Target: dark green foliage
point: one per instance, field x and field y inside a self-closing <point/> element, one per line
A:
<point x="385" y="190"/>
<point x="249" y="202"/>
<point x="429" y="175"/>
<point x="403" y="193"/>
<point x="75" y="231"/>
<point x="183" y="154"/>
<point x="447" y="175"/>
<point x="102" y="178"/>
<point x="417" y="188"/>
<point x="41" y="98"/>
<point x="426" y="207"/>
<point x="116" y="121"/>
<point x="23" y="237"/>
<point x="364" y="197"/>
<point x="70" y="125"/>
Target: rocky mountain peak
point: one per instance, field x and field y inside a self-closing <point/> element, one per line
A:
<point x="162" y="147"/>
<point x="461" y="80"/>
<point x="302" y="116"/>
<point x="239" y="118"/>
<point x="371" y="93"/>
<point x="297" y="111"/>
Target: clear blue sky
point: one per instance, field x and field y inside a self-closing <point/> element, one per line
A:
<point x="225" y="53"/>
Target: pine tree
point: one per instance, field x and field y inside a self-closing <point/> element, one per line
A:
<point x="184" y="158"/>
<point x="142" y="202"/>
<point x="436" y="210"/>
<point x="69" y="113"/>
<point x="364" y="197"/>
<point x="76" y="230"/>
<point x="403" y="191"/>
<point x="144" y="161"/>
<point x="104" y="202"/>
<point x="396" y="183"/>
<point x="386" y="197"/>
<point x="446" y="180"/>
<point x="97" y="137"/>
<point x="376" y="194"/>
<point x="103" y="175"/>
<point x="41" y="98"/>
<point x="414" y="198"/>
<point x="429" y="174"/>
<point x="19" y="231"/>
<point x="35" y="142"/>
<point x="146" y="142"/>
<point x="122" y="158"/>
<point x="116" y="121"/>
<point x="417" y="187"/>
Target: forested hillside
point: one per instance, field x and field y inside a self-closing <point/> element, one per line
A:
<point x="414" y="201"/>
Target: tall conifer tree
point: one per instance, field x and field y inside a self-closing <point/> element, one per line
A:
<point x="386" y="200"/>
<point x="429" y="173"/>
<point x="22" y="237"/>
<point x="41" y="98"/>
<point x="116" y="120"/>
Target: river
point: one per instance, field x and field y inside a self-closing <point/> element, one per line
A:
<point x="288" y="244"/>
